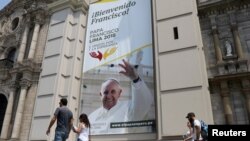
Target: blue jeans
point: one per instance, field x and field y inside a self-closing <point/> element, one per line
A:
<point x="60" y="136"/>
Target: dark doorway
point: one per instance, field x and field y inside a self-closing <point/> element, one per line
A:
<point x="3" y="105"/>
<point x="11" y="55"/>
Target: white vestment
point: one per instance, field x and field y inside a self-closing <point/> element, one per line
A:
<point x="136" y="109"/>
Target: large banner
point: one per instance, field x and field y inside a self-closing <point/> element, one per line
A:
<point x="118" y="86"/>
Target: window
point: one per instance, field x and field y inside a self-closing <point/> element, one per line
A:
<point x="14" y="23"/>
<point x="11" y="55"/>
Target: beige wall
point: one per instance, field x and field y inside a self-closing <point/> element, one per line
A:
<point x="180" y="66"/>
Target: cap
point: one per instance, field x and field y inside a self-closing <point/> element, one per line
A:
<point x="191" y="114"/>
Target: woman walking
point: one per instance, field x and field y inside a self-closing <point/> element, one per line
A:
<point x="83" y="128"/>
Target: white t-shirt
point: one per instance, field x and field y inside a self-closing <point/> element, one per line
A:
<point x="196" y="123"/>
<point x="84" y="134"/>
<point x="137" y="109"/>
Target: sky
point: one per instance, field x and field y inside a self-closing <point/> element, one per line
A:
<point x="3" y="3"/>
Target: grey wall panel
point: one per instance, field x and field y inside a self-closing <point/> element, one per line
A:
<point x="53" y="47"/>
<point x="171" y="8"/>
<point x="37" y="134"/>
<point x="180" y="70"/>
<point x="50" y="65"/>
<point x="60" y="16"/>
<point x="56" y="31"/>
<point x="185" y="30"/>
<point x="46" y="85"/>
<point x="175" y="105"/>
<point x="44" y="105"/>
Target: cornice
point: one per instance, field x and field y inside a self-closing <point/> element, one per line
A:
<point x="27" y="66"/>
<point x="75" y="5"/>
<point x="29" y="5"/>
<point x="227" y="77"/>
<point x="222" y="7"/>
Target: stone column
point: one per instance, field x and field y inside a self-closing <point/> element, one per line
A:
<point x="234" y="29"/>
<point x="237" y="42"/>
<point x="217" y="45"/>
<point x="246" y="92"/>
<point x="8" y="113"/>
<point x="216" y="39"/>
<point x="226" y="102"/>
<point x="34" y="41"/>
<point x="19" y="113"/>
<point x="23" y="44"/>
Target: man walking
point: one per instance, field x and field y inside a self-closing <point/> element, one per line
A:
<point x="64" y="119"/>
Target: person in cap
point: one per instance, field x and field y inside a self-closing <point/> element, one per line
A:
<point x="196" y="125"/>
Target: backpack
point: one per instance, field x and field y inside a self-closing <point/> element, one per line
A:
<point x="204" y="130"/>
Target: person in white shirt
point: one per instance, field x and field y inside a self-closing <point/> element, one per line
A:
<point x="196" y="125"/>
<point x="83" y="128"/>
<point x="189" y="135"/>
<point x="115" y="116"/>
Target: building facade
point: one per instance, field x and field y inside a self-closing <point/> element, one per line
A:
<point x="24" y="28"/>
<point x="41" y="52"/>
<point x="225" y="32"/>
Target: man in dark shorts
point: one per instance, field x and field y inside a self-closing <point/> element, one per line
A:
<point x="64" y="118"/>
